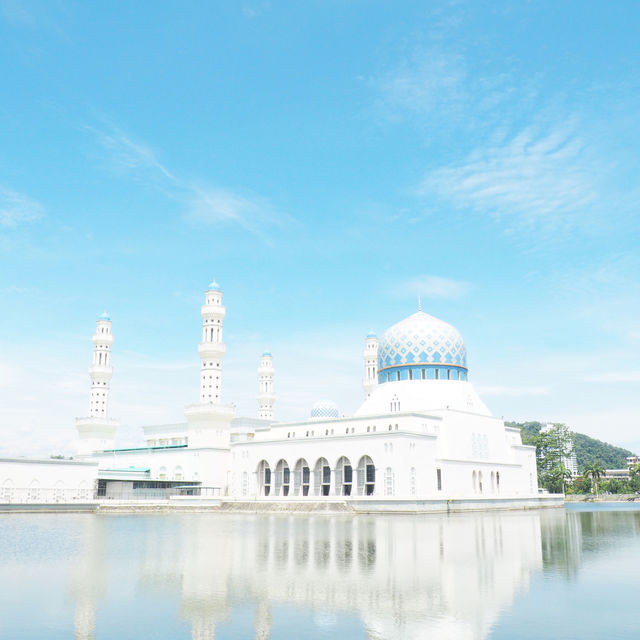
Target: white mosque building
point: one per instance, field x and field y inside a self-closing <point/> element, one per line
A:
<point x="421" y="438"/>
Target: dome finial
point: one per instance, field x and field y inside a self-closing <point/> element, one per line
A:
<point x="419" y="303"/>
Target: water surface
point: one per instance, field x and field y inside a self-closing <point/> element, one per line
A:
<point x="561" y="573"/>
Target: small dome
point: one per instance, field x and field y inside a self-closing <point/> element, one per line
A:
<point x="214" y="286"/>
<point x="104" y="316"/>
<point x="372" y="334"/>
<point x="266" y="354"/>
<point x="324" y="409"/>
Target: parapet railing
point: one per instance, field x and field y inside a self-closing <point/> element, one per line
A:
<point x="44" y="495"/>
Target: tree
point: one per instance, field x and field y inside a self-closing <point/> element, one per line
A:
<point x="594" y="471"/>
<point x="558" y="477"/>
<point x="552" y="448"/>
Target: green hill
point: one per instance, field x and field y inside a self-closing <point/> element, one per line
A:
<point x="587" y="449"/>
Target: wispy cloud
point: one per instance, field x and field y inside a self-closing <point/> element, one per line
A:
<point x="200" y="204"/>
<point x="129" y="156"/>
<point x="255" y="9"/>
<point x="431" y="286"/>
<point x="15" y="13"/>
<point x="537" y="177"/>
<point x="17" y="208"/>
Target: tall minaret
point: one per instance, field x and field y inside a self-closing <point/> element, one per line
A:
<point x="97" y="432"/>
<point x="212" y="349"/>
<point x="266" y="397"/>
<point x="370" y="355"/>
<point x="209" y="421"/>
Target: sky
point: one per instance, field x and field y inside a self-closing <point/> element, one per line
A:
<point x="327" y="163"/>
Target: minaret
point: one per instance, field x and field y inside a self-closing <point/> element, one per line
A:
<point x="370" y="355"/>
<point x="266" y="397"/>
<point x="97" y="431"/>
<point x="212" y="349"/>
<point x="210" y="420"/>
<point x="101" y="370"/>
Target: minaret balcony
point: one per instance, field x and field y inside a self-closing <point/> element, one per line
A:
<point x="100" y="372"/>
<point x="212" y="349"/>
<point x="213" y="311"/>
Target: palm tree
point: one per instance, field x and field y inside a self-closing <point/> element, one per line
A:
<point x="594" y="471"/>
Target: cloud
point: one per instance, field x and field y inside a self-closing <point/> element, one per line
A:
<point x="251" y="11"/>
<point x="501" y="391"/>
<point x="425" y="81"/>
<point x="536" y="177"/>
<point x="200" y="204"/>
<point x="15" y="13"/>
<point x="17" y="209"/>
<point x="434" y="287"/>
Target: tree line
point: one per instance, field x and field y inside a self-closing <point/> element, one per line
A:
<point x="555" y="445"/>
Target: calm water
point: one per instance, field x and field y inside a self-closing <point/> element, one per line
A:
<point x="571" y="573"/>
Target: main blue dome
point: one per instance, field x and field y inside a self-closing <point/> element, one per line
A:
<point x="421" y="347"/>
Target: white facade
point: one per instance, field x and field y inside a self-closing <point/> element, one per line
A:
<point x="47" y="481"/>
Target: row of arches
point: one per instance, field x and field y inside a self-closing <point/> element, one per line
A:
<point x="302" y="479"/>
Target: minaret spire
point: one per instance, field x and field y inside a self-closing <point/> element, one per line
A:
<point x="419" y="303"/>
<point x="266" y="397"/>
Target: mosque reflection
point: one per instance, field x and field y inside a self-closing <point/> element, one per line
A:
<point x="402" y="576"/>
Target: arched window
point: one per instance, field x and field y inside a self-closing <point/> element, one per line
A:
<point x="493" y="482"/>
<point x="33" y="495"/>
<point x="366" y="476"/>
<point x="282" y="478"/>
<point x="264" y="478"/>
<point x="301" y="478"/>
<point x="344" y="477"/>
<point x="498" y="481"/>
<point x="479" y="481"/>
<point x="177" y="473"/>
<point x="322" y="477"/>
<point x="162" y="472"/>
<point x="474" y="481"/>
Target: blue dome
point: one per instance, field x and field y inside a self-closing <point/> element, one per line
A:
<point x="104" y="316"/>
<point x="266" y="353"/>
<point x="214" y="286"/>
<point x="421" y="341"/>
<point x="372" y="334"/>
<point x="324" y="409"/>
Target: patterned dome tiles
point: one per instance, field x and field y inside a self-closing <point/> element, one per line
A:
<point x="438" y="341"/>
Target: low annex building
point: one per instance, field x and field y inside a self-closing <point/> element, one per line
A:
<point x="421" y="434"/>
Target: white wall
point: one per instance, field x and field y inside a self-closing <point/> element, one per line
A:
<point x="46" y="481"/>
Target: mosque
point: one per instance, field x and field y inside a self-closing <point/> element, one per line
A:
<point x="422" y="436"/>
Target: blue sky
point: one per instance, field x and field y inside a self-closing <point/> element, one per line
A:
<point x="327" y="162"/>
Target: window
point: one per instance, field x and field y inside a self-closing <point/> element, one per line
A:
<point x="439" y="478"/>
<point x="398" y="375"/>
<point x="437" y="374"/>
<point x="388" y="482"/>
<point x="410" y="374"/>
